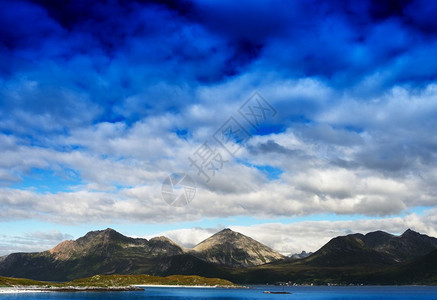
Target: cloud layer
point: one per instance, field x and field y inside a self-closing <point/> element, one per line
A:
<point x="100" y="101"/>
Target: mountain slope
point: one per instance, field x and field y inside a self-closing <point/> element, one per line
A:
<point x="231" y="248"/>
<point x="420" y="271"/>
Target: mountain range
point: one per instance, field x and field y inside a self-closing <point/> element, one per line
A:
<point x="374" y="258"/>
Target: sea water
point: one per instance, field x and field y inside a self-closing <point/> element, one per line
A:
<point x="253" y="292"/>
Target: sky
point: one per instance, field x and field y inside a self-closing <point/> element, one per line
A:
<point x="318" y="119"/>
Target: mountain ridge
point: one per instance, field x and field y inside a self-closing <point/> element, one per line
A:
<point x="109" y="252"/>
<point x="376" y="257"/>
<point x="376" y="247"/>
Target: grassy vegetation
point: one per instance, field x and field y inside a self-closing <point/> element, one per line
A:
<point x="122" y="280"/>
<point x="7" y="281"/>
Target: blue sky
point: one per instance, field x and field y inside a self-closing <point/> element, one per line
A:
<point x="101" y="100"/>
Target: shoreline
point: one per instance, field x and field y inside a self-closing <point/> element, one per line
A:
<point x="28" y="289"/>
<point x="188" y="286"/>
<point x="130" y="288"/>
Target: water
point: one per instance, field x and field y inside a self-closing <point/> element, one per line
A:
<point x="256" y="292"/>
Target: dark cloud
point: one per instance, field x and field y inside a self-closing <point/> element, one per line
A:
<point x="385" y="9"/>
<point x="324" y="134"/>
<point x="271" y="147"/>
<point x="114" y="54"/>
<point x="420" y="14"/>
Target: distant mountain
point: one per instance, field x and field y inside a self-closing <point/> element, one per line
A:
<point x="301" y="255"/>
<point x="231" y="248"/>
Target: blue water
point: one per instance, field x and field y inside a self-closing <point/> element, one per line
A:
<point x="256" y="292"/>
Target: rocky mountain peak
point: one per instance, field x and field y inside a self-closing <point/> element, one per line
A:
<point x="228" y="235"/>
<point x="164" y="246"/>
<point x="226" y="232"/>
<point x="377" y="238"/>
<point x="232" y="248"/>
<point x="161" y="239"/>
<point x="410" y="232"/>
<point x="97" y="242"/>
<point x="108" y="233"/>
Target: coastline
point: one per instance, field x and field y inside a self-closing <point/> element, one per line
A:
<point x="188" y="286"/>
<point x="130" y="288"/>
<point x="17" y="290"/>
<point x="38" y="289"/>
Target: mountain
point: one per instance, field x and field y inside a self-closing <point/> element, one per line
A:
<point x="98" y="252"/>
<point x="377" y="248"/>
<point x="345" y="251"/>
<point x="409" y="246"/>
<point x="109" y="252"/>
<point x="231" y="248"/>
<point x="373" y="258"/>
<point x="108" y="242"/>
<point x="301" y="255"/>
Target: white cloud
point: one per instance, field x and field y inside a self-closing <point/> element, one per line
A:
<point x="327" y="168"/>
<point x="311" y="235"/>
<point x="31" y="241"/>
